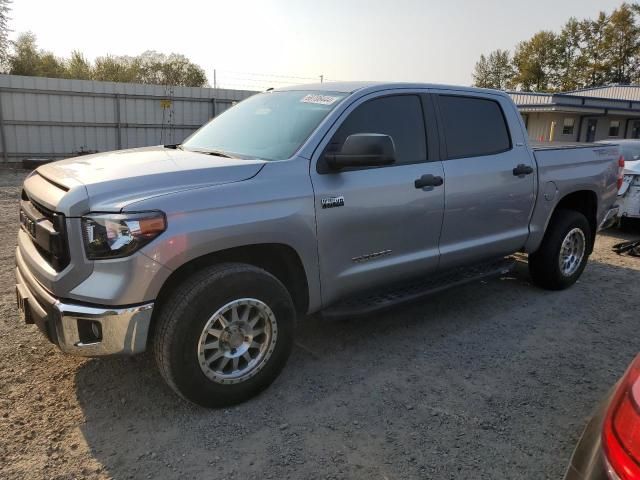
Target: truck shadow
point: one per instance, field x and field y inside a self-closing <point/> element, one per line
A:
<point x="439" y="355"/>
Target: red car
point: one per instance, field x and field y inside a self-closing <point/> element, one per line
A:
<point x="609" y="448"/>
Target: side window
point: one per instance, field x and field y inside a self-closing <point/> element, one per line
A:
<point x="398" y="116"/>
<point x="473" y="126"/>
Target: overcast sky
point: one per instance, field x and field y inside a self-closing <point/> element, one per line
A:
<point x="253" y="42"/>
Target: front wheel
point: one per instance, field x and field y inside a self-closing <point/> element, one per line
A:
<point x="564" y="251"/>
<point x="225" y="334"/>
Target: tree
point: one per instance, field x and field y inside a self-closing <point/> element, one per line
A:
<point x="569" y="58"/>
<point x="621" y="42"/>
<point x="25" y="58"/>
<point x="535" y="62"/>
<point x="481" y="73"/>
<point x="116" y="69"/>
<point x="174" y="69"/>
<point x="593" y="32"/>
<point x="494" y="71"/>
<point x="585" y="53"/>
<point x="4" y="32"/>
<point x="78" y="67"/>
<point x="50" y="66"/>
<point x="150" y="67"/>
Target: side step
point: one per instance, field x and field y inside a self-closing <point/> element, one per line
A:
<point x="408" y="292"/>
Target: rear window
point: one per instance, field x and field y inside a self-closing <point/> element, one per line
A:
<point x="473" y="126"/>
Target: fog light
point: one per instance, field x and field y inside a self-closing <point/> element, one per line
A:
<point x="89" y="331"/>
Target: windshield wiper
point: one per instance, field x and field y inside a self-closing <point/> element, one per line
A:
<point x="216" y="153"/>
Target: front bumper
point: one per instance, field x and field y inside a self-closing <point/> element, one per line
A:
<point x="86" y="330"/>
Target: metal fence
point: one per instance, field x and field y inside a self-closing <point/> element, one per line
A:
<point x="58" y="118"/>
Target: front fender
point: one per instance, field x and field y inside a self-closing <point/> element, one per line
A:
<point x="276" y="206"/>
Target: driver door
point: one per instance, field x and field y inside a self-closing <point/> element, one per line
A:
<point x="374" y="226"/>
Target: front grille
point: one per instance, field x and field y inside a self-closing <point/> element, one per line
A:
<point x="47" y="230"/>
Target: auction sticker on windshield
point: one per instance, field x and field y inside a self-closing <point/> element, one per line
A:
<point x="319" y="99"/>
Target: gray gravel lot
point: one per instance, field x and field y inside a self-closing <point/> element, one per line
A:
<point x="492" y="380"/>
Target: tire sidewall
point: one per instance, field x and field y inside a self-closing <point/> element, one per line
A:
<point x="565" y="221"/>
<point x="186" y="373"/>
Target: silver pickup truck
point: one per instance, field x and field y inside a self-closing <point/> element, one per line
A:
<point x="337" y="198"/>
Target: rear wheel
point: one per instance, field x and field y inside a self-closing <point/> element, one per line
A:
<point x="564" y="251"/>
<point x="225" y="334"/>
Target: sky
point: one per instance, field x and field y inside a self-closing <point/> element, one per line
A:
<point x="263" y="43"/>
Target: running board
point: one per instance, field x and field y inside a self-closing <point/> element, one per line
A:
<point x="370" y="302"/>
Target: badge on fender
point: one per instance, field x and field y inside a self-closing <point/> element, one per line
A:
<point x="332" y="202"/>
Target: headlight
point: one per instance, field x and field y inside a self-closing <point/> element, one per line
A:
<point x="114" y="235"/>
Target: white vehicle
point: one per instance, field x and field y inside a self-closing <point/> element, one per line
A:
<point x="629" y="193"/>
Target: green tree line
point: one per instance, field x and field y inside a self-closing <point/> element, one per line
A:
<point x="26" y="58"/>
<point x="585" y="53"/>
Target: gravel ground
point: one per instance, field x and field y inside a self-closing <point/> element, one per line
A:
<point x="492" y="380"/>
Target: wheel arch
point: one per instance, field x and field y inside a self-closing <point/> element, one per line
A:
<point x="280" y="260"/>
<point x="585" y="202"/>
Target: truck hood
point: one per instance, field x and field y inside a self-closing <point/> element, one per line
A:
<point x="115" y="179"/>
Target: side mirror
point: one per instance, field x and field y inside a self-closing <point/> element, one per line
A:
<point x="363" y="150"/>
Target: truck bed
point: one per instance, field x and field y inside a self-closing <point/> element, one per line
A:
<point x="564" y="168"/>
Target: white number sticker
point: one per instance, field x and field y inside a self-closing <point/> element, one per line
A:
<point x="318" y="99"/>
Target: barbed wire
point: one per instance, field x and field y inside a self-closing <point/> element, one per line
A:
<point x="231" y="79"/>
<point x="274" y="75"/>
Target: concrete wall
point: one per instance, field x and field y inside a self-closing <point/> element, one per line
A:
<point x="58" y="118"/>
<point x="539" y="126"/>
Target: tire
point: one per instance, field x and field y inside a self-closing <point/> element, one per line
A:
<point x="180" y="342"/>
<point x="545" y="265"/>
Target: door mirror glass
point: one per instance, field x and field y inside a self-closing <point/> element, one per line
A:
<point x="363" y="150"/>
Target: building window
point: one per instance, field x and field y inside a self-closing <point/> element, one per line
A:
<point x="614" y="128"/>
<point x="635" y="129"/>
<point x="567" y="127"/>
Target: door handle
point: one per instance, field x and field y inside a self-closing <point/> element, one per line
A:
<point x="522" y="170"/>
<point x="428" y="181"/>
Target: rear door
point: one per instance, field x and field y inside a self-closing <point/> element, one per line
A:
<point x="490" y="174"/>
<point x="374" y="226"/>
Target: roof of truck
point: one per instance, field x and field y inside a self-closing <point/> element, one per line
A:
<point x="350" y="87"/>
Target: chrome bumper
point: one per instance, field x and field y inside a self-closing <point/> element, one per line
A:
<point x="82" y="329"/>
<point x="610" y="218"/>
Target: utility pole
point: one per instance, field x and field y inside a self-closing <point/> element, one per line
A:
<point x="215" y="83"/>
<point x="321" y="78"/>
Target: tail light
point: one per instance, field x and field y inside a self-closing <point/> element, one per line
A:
<point x="621" y="432"/>
<point x="620" y="171"/>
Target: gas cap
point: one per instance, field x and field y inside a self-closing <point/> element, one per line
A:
<point x="550" y="191"/>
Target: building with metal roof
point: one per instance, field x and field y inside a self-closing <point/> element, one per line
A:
<point x="587" y="115"/>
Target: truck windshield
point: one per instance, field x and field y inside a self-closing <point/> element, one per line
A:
<point x="269" y="126"/>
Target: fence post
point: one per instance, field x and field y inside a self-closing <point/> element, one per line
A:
<point x="118" y="123"/>
<point x="3" y="137"/>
